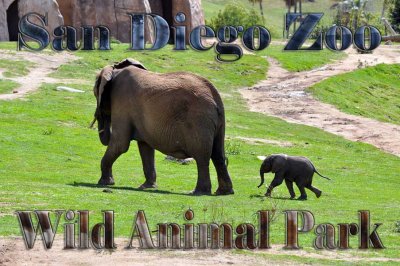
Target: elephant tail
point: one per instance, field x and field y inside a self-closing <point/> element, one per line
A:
<point x="315" y="170"/>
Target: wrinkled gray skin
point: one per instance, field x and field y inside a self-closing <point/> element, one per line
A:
<point x="295" y="169"/>
<point x="179" y="114"/>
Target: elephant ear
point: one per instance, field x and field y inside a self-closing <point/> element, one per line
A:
<point x="103" y="79"/>
<point x="278" y="162"/>
<point x="129" y="62"/>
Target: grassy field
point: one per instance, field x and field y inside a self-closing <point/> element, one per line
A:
<point x="371" y="92"/>
<point x="15" y="68"/>
<point x="49" y="159"/>
<point x="7" y="86"/>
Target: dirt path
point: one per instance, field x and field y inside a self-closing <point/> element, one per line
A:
<point x="284" y="95"/>
<point x="13" y="252"/>
<point x="45" y="64"/>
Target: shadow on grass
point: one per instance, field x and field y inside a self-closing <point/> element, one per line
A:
<point x="278" y="197"/>
<point x="155" y="191"/>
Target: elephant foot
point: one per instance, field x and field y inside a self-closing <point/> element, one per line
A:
<point x="222" y="192"/>
<point x="318" y="194"/>
<point x="268" y="194"/>
<point x="197" y="192"/>
<point x="147" y="185"/>
<point x="302" y="198"/>
<point x="106" y="181"/>
<point x="293" y="197"/>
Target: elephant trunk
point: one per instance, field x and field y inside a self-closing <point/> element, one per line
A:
<point x="262" y="177"/>
<point x="104" y="124"/>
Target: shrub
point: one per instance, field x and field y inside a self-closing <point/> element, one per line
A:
<point x="395" y="15"/>
<point x="236" y="15"/>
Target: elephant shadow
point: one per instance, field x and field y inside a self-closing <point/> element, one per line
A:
<point x="155" y="191"/>
<point x="271" y="197"/>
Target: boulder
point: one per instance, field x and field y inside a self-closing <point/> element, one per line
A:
<point x="66" y="11"/>
<point x="193" y="11"/>
<point x="110" y="13"/>
<point x="122" y="7"/>
<point x="4" y="5"/>
<point x="42" y="7"/>
<point x="92" y="13"/>
<point x="156" y="7"/>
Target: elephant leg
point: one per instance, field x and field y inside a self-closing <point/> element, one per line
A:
<point x="315" y="190"/>
<point x="147" y="155"/>
<point x="203" y="186"/>
<point x="303" y="195"/>
<point x="218" y="158"/>
<point x="278" y="179"/>
<point x="289" y="185"/>
<point x="114" y="150"/>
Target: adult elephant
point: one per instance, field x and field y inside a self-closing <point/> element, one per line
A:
<point x="179" y="114"/>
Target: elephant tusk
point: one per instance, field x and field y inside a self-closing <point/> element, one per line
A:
<point x="101" y="131"/>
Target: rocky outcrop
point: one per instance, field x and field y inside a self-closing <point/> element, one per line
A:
<point x="42" y="7"/>
<point x="12" y="10"/>
<point x="193" y="11"/>
<point x="110" y="13"/>
<point x="123" y="7"/>
<point x="156" y="7"/>
<point x="4" y="4"/>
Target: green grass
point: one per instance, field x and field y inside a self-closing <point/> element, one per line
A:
<point x="7" y="86"/>
<point x="301" y="60"/>
<point x="15" y="68"/>
<point x="371" y="92"/>
<point x="49" y="159"/>
<point x="9" y="46"/>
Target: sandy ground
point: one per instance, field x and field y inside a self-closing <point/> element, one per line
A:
<point x="13" y="252"/>
<point x="44" y="65"/>
<point x="283" y="95"/>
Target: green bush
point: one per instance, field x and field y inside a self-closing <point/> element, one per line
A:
<point x="236" y="15"/>
<point x="395" y="15"/>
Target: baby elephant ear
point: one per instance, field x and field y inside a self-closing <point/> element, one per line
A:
<point x="129" y="62"/>
<point x="106" y="76"/>
<point x="277" y="162"/>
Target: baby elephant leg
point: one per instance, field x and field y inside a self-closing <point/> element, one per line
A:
<point x="303" y="195"/>
<point x="289" y="185"/>
<point x="315" y="190"/>
<point x="278" y="179"/>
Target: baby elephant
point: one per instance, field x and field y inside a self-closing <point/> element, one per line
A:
<point x="291" y="169"/>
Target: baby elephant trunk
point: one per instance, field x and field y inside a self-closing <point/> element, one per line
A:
<point x="262" y="177"/>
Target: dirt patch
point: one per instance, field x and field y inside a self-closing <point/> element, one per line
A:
<point x="284" y="95"/>
<point x="45" y="64"/>
<point x="13" y="252"/>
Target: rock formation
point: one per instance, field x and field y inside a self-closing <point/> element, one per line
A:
<point x="4" y="5"/>
<point x="110" y="13"/>
<point x="13" y="10"/>
<point x="42" y="7"/>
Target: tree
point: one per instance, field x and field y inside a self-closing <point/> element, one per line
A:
<point x="395" y="15"/>
<point x="260" y="2"/>
<point x="351" y="13"/>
